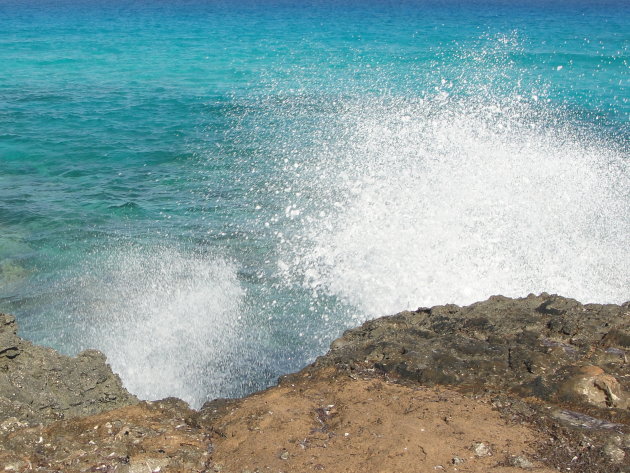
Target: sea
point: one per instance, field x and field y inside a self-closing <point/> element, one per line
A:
<point x="211" y="191"/>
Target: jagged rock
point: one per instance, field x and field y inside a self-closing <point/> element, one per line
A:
<point x="520" y="461"/>
<point x="144" y="437"/>
<point x="481" y="449"/>
<point x="534" y="347"/>
<point x="543" y="381"/>
<point x="592" y="385"/>
<point x="8" y="337"/>
<point x="37" y="384"/>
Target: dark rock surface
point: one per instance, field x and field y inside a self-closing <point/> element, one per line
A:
<point x="545" y="371"/>
<point x="546" y="347"/>
<point x="39" y="385"/>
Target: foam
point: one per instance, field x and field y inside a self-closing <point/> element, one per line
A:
<point x="453" y="199"/>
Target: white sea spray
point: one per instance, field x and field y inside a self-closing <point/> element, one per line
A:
<point x="453" y="200"/>
<point x="168" y="321"/>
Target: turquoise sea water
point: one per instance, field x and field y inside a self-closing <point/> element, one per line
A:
<point x="211" y="191"/>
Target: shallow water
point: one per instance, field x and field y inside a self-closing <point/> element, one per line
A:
<point x="210" y="192"/>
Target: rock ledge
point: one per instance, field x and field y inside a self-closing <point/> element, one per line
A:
<point x="505" y="385"/>
<point x="39" y="385"/>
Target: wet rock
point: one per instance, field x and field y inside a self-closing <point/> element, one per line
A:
<point x="556" y="305"/>
<point x="37" y="384"/>
<point x="8" y="337"/>
<point x="533" y="347"/>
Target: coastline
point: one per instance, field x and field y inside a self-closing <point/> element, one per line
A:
<point x="538" y="383"/>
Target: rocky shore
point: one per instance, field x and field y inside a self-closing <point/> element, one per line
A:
<point x="506" y="385"/>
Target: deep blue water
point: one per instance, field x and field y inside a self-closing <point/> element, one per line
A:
<point x="210" y="191"/>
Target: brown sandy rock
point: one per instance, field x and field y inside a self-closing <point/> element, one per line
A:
<point x="331" y="422"/>
<point x="328" y="422"/>
<point x="592" y="385"/>
<point x="148" y="436"/>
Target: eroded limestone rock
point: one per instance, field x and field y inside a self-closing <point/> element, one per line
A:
<point x="37" y="384"/>
<point x="546" y="346"/>
<point x="593" y="386"/>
